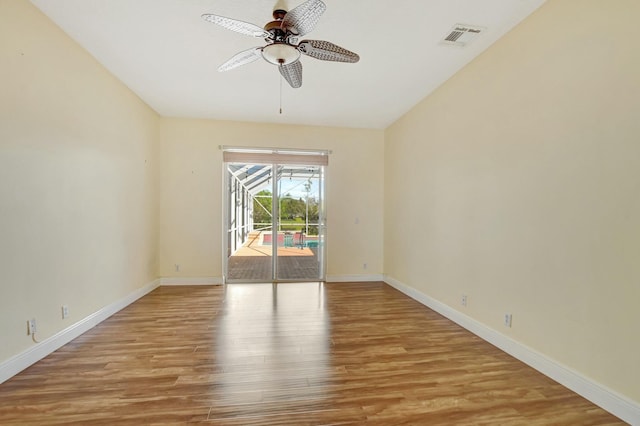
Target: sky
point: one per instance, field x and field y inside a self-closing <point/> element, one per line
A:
<point x="295" y="187"/>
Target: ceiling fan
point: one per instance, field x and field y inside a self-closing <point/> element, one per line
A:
<point x="282" y="47"/>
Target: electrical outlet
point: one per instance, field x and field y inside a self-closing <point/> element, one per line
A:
<point x="507" y="320"/>
<point x="177" y="268"/>
<point x="31" y="327"/>
<point x="65" y="311"/>
<point x="364" y="266"/>
<point x="463" y="300"/>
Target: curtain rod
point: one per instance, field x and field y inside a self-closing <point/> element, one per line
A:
<point x="266" y="150"/>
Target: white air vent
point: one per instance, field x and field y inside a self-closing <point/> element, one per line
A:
<point x="461" y="35"/>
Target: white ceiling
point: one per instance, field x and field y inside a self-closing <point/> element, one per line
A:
<point x="169" y="56"/>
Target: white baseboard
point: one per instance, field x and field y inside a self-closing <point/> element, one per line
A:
<point x="16" y="364"/>
<point x="354" y="278"/>
<point x="618" y="405"/>
<point x="190" y="281"/>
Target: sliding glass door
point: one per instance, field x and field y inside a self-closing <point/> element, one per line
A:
<point x="299" y="198"/>
<point x="274" y="217"/>
<point x="249" y="222"/>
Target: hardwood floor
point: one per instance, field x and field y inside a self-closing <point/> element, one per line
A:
<point x="286" y="354"/>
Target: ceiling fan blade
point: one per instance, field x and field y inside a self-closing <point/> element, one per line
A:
<point x="242" y="58"/>
<point x="292" y="73"/>
<point x="303" y="18"/>
<point x="327" y="51"/>
<point x="237" y="26"/>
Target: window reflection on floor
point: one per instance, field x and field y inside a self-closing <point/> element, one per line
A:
<point x="266" y="330"/>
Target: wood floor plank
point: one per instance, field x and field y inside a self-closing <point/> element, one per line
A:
<point x="286" y="354"/>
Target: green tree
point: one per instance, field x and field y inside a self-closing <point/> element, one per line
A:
<point x="311" y="213"/>
<point x="289" y="207"/>
<point x="262" y="209"/>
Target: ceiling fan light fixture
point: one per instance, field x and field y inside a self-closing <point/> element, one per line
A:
<point x="280" y="53"/>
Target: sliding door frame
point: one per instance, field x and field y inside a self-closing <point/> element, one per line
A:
<point x="278" y="156"/>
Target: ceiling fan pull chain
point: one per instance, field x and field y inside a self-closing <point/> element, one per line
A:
<point x="281" y="78"/>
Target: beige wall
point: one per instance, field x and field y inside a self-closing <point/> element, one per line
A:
<point x="519" y="182"/>
<point x="191" y="192"/>
<point x="77" y="181"/>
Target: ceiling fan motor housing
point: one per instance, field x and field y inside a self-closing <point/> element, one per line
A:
<point x="275" y="27"/>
